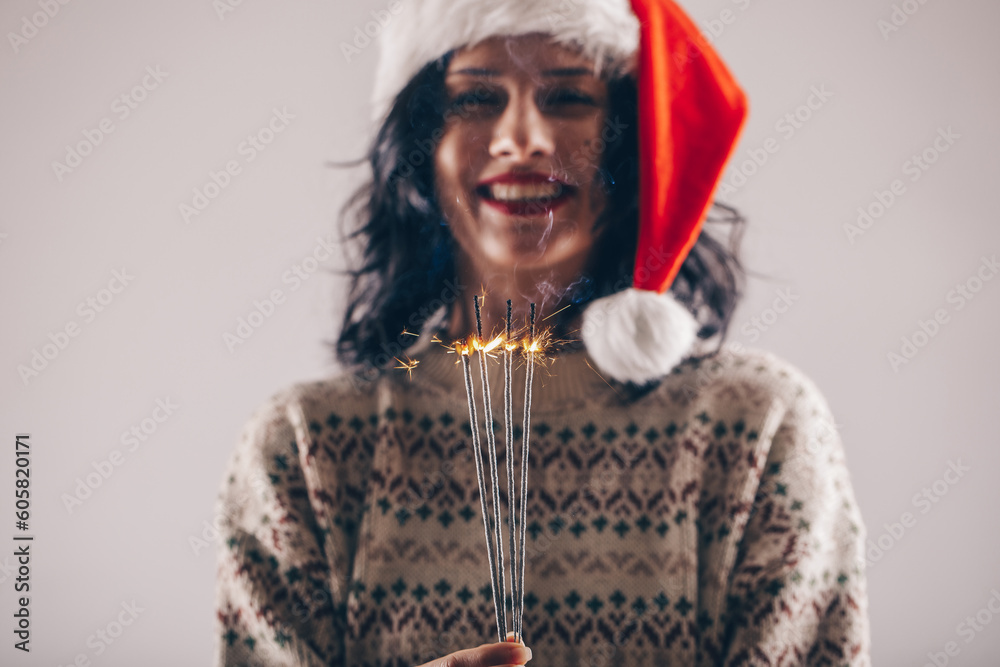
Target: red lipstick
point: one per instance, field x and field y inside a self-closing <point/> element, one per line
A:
<point x="535" y="203"/>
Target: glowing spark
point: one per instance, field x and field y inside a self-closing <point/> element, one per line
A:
<point x="557" y="312"/>
<point x="492" y="345"/>
<point x="407" y="365"/>
<point x="602" y="377"/>
<point x="532" y="346"/>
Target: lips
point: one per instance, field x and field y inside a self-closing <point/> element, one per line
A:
<point x="524" y="194"/>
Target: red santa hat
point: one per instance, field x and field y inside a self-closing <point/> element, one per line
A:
<point x="691" y="112"/>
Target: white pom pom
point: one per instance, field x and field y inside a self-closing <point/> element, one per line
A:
<point x="638" y="335"/>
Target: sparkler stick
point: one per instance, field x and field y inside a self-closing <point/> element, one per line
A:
<point x="525" y="429"/>
<point x="494" y="477"/>
<point x="474" y="423"/>
<point x="508" y="418"/>
<point x="516" y="525"/>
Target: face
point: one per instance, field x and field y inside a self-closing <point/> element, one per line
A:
<point x="516" y="170"/>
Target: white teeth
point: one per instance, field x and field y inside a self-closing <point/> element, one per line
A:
<point x="525" y="191"/>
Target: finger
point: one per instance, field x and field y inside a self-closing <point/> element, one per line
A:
<point x="512" y="637"/>
<point x="507" y="653"/>
<point x="487" y="655"/>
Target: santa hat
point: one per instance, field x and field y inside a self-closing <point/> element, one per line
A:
<point x="691" y="112"/>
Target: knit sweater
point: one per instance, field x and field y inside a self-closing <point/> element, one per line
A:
<point x="708" y="521"/>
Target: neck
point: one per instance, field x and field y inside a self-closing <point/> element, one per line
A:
<point x="567" y="381"/>
<point x="548" y="288"/>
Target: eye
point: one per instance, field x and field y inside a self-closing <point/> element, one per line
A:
<point x="557" y="99"/>
<point x="477" y="100"/>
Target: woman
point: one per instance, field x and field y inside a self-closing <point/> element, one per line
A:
<point x="682" y="509"/>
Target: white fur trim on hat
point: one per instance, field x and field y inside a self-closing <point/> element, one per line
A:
<point x="638" y="335"/>
<point x="424" y="30"/>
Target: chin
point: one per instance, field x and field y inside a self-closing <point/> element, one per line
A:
<point x="540" y="240"/>
<point x="515" y="259"/>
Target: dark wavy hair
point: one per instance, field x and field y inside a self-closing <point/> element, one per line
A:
<point x="406" y="269"/>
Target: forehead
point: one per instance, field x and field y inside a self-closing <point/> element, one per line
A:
<point x="533" y="54"/>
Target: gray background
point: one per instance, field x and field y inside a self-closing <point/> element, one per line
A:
<point x="136" y="536"/>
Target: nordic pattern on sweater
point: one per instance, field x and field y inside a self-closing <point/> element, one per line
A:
<point x="710" y="521"/>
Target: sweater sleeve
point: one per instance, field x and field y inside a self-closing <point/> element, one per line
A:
<point x="797" y="594"/>
<point x="274" y="605"/>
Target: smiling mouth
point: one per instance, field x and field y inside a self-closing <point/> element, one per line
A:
<point x="525" y="199"/>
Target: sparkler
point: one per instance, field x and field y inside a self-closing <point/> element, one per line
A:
<point x="474" y="422"/>
<point x="516" y="525"/>
<point x="494" y="478"/>
<point x="531" y="346"/>
<point x="508" y="419"/>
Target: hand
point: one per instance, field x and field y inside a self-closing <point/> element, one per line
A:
<point x="501" y="654"/>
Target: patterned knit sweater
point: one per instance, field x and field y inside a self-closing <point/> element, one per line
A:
<point x="710" y="521"/>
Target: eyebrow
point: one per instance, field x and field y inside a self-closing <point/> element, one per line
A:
<point x="558" y="72"/>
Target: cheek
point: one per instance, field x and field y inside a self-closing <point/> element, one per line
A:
<point x="444" y="166"/>
<point x="596" y="148"/>
<point x="452" y="163"/>
<point x="585" y="160"/>
<point x="448" y="192"/>
<point x="450" y="188"/>
<point x="582" y="149"/>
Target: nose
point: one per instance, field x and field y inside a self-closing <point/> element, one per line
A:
<point x="522" y="131"/>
